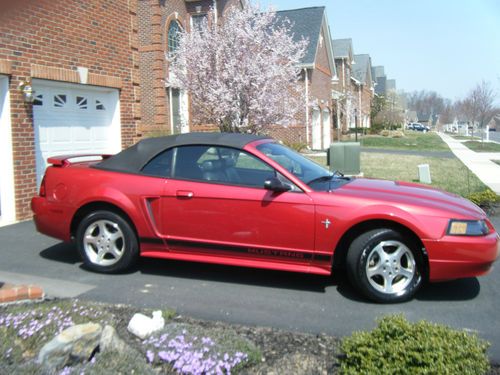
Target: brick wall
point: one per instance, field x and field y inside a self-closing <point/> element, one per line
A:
<point x="154" y="18"/>
<point x="49" y="39"/>
<point x="320" y="90"/>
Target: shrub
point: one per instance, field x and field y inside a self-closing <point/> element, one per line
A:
<point x="397" y="346"/>
<point x="485" y="198"/>
<point x="385" y="133"/>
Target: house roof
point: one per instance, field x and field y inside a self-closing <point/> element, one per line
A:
<point x="378" y="71"/>
<point x="305" y="23"/>
<point x="361" y="70"/>
<point x="342" y="48"/>
<point x="391" y="84"/>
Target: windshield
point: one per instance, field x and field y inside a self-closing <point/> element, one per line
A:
<point x="303" y="168"/>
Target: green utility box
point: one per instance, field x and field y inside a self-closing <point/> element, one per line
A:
<point x="345" y="157"/>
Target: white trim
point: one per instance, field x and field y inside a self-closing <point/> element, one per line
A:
<point x="183" y="110"/>
<point x="326" y="125"/>
<point x="7" y="192"/>
<point x="306" y="80"/>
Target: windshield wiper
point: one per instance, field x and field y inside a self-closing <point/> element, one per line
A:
<point x="321" y="178"/>
<point x="327" y="177"/>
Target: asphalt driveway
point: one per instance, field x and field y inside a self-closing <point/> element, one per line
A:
<point x="290" y="301"/>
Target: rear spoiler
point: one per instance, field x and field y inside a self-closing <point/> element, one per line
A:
<point x="64" y="160"/>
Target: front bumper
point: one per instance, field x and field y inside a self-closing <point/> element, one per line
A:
<point x="454" y="257"/>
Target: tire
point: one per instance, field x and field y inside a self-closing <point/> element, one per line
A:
<point x="385" y="266"/>
<point x="106" y="242"/>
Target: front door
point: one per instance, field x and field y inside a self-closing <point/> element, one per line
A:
<point x="216" y="204"/>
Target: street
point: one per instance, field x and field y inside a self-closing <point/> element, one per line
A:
<point x="289" y="301"/>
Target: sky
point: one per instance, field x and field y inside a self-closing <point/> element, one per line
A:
<point x="440" y="45"/>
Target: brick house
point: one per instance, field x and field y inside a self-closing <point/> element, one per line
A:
<point x="314" y="124"/>
<point x="344" y="89"/>
<point x="81" y="59"/>
<point x="166" y="110"/>
<point x="362" y="77"/>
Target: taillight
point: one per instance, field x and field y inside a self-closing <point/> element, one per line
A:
<point x="42" y="187"/>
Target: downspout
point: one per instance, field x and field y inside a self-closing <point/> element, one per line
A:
<point x="343" y="74"/>
<point x="360" y="87"/>
<point x="306" y="80"/>
<point x="344" y="91"/>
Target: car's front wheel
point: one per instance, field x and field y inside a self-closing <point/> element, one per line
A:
<point x="385" y="266"/>
<point x="106" y="242"/>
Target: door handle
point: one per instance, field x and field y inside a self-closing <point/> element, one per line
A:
<point x="185" y="194"/>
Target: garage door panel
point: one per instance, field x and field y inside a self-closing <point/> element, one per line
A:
<point x="71" y="119"/>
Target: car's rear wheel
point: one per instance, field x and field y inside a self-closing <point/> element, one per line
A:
<point x="106" y="242"/>
<point x="385" y="266"/>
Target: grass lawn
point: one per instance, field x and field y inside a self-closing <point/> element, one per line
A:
<point x="448" y="174"/>
<point x="463" y="137"/>
<point x="411" y="141"/>
<point x="483" y="146"/>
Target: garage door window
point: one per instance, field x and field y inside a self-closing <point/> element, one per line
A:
<point x="60" y="100"/>
<point x="81" y="102"/>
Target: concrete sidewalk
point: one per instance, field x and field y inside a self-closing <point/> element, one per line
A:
<point x="479" y="163"/>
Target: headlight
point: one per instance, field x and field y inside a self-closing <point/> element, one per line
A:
<point x="467" y="228"/>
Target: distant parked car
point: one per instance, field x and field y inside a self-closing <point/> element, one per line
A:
<point x="245" y="200"/>
<point x="418" y="127"/>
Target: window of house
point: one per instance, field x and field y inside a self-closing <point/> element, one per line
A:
<point x="198" y="21"/>
<point x="173" y="36"/>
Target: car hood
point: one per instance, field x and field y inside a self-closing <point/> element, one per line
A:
<point x="411" y="196"/>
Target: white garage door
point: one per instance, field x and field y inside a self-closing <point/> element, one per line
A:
<point x="74" y="119"/>
<point x="7" y="201"/>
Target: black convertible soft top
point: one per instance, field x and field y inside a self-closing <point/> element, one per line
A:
<point x="132" y="159"/>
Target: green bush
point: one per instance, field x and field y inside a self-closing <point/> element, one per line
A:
<point x="397" y="346"/>
<point x="484" y="198"/>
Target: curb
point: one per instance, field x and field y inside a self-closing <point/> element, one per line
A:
<point x="14" y="293"/>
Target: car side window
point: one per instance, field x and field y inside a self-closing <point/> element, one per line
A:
<point x="222" y="165"/>
<point x="160" y="165"/>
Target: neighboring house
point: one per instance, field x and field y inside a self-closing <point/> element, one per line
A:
<point x="380" y="79"/>
<point x="314" y="124"/>
<point x="425" y="118"/>
<point x="344" y="88"/>
<point x="81" y="60"/>
<point x="166" y="109"/>
<point x="390" y="85"/>
<point x="495" y="123"/>
<point x="362" y="77"/>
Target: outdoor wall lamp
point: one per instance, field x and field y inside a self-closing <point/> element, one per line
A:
<point x="27" y="90"/>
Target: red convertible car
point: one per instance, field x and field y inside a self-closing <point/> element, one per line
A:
<point x="247" y="200"/>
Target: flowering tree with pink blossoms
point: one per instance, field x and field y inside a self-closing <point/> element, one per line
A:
<point x="242" y="74"/>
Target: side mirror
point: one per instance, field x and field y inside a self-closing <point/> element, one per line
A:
<point x="274" y="184"/>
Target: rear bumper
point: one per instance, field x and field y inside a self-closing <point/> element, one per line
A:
<point x="454" y="257"/>
<point x="50" y="219"/>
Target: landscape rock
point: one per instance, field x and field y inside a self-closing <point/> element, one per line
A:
<point x="143" y="326"/>
<point x="110" y="341"/>
<point x="74" y="344"/>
